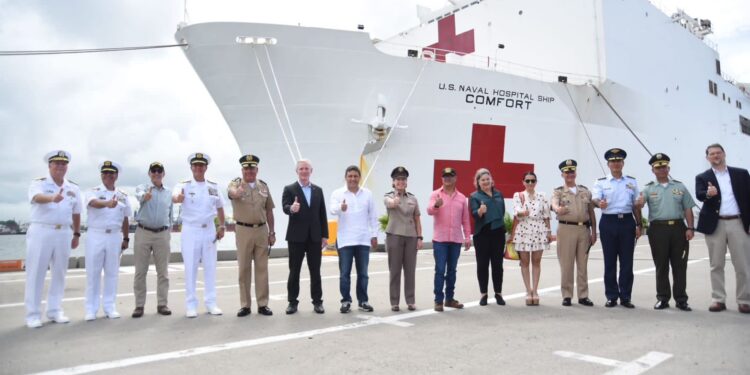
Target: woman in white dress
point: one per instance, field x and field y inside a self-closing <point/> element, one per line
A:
<point x="531" y="233"/>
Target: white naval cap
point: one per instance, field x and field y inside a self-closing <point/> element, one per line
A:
<point x="57" y="155"/>
<point x="199" y="158"/>
<point x="109" y="166"/>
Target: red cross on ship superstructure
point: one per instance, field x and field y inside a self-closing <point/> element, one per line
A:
<point x="449" y="42"/>
<point x="487" y="151"/>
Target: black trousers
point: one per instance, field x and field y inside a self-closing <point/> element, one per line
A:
<point x="669" y="247"/>
<point x="297" y="251"/>
<point x="488" y="244"/>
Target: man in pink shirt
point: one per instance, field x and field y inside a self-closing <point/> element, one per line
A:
<point x="450" y="211"/>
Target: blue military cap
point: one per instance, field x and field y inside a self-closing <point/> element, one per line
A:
<point x="614" y="154"/>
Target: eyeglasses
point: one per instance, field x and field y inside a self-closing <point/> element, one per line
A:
<point x="530" y="181"/>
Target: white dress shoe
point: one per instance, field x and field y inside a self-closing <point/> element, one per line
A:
<point x="191" y="314"/>
<point x="59" y="318"/>
<point x="90" y="316"/>
<point x="213" y="310"/>
<point x="34" y="323"/>
<point x="113" y="315"/>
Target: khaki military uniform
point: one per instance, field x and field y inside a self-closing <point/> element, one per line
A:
<point x="573" y="238"/>
<point x="251" y="234"/>
<point x="401" y="246"/>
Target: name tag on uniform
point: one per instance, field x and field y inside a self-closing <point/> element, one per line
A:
<point x="212" y="191"/>
<point x="677" y="192"/>
<point x="70" y="194"/>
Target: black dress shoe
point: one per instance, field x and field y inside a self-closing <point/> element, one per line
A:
<point x="138" y="312"/>
<point x="585" y="302"/>
<point x="566" y="302"/>
<point x="661" y="305"/>
<point x="318" y="307"/>
<point x="483" y="300"/>
<point x="499" y="299"/>
<point x="264" y="310"/>
<point x="245" y="311"/>
<point x="683" y="306"/>
<point x="291" y="309"/>
<point x="627" y="304"/>
<point x="611" y="303"/>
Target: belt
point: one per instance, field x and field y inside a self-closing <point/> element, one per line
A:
<point x="105" y="230"/>
<point x="667" y="222"/>
<point x="196" y="225"/>
<point x="53" y="226"/>
<point x="155" y="230"/>
<point x="619" y="216"/>
<point x="250" y="225"/>
<point x="579" y="223"/>
<point x="730" y="217"/>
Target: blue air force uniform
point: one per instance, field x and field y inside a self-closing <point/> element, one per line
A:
<point x="617" y="229"/>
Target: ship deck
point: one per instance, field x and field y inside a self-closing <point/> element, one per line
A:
<point x="510" y="339"/>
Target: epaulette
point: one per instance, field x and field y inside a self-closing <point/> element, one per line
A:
<point x="210" y="182"/>
<point x="185" y="182"/>
<point x="650" y="183"/>
<point x="122" y="192"/>
<point x="40" y="179"/>
<point x="389" y="193"/>
<point x="630" y="177"/>
<point x="95" y="188"/>
<point x="583" y="187"/>
<point x="237" y="180"/>
<point x="678" y="181"/>
<point x="560" y="188"/>
<point x="73" y="182"/>
<point x="408" y="194"/>
<point x="262" y="182"/>
<point x="603" y="178"/>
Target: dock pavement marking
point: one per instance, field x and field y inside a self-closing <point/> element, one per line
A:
<point x="375" y="320"/>
<point x="638" y="366"/>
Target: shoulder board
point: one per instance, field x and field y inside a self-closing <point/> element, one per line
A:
<point x="211" y="182"/>
<point x="650" y="183"/>
<point x="631" y="177"/>
<point x="95" y="189"/>
<point x="238" y="179"/>
<point x="582" y="187"/>
<point x="185" y="182"/>
<point x="40" y="179"/>
<point x="389" y="193"/>
<point x="73" y="182"/>
<point x="677" y="181"/>
<point x="122" y="192"/>
<point x="408" y="194"/>
<point x="602" y="179"/>
<point x="559" y="188"/>
<point x="262" y="182"/>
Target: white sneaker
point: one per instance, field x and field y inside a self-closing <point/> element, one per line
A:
<point x="113" y="315"/>
<point x="214" y="310"/>
<point x="34" y="323"/>
<point x="59" y="318"/>
<point x="90" y="316"/>
<point x="191" y="314"/>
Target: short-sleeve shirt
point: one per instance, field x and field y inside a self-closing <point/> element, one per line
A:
<point x="578" y="203"/>
<point x="107" y="218"/>
<point x="157" y="211"/>
<point x="60" y="213"/>
<point x="667" y="202"/>
<point x="401" y="219"/>
<point x="202" y="199"/>
<point x="619" y="192"/>
<point x="252" y="207"/>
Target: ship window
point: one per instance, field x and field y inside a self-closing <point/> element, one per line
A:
<point x="711" y="87"/>
<point x="718" y="67"/>
<point x="723" y="96"/>
<point x="744" y="125"/>
<point x="716" y="90"/>
<point x="738" y="104"/>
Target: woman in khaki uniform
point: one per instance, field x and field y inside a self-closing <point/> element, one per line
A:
<point x="403" y="238"/>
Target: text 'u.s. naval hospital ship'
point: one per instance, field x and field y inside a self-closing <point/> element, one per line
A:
<point x="510" y="85"/>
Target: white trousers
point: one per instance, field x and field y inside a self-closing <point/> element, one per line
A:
<point x="46" y="247"/>
<point x="102" y="253"/>
<point x="199" y="246"/>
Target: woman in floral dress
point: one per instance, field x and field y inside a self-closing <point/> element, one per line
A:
<point x="531" y="234"/>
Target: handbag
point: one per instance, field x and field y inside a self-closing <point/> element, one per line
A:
<point x="510" y="252"/>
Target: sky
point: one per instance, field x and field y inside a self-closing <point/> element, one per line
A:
<point x="138" y="107"/>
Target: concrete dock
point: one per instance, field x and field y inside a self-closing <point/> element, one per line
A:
<point x="513" y="339"/>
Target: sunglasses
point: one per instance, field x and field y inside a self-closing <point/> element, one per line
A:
<point x="530" y="181"/>
<point x="156" y="171"/>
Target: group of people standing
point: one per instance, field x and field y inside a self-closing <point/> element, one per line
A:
<point x="56" y="205"/>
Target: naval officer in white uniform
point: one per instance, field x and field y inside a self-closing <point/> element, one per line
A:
<point x="201" y="204"/>
<point x="54" y="230"/>
<point x="107" y="210"/>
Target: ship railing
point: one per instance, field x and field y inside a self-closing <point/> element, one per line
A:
<point x="483" y="62"/>
<point x="671" y="11"/>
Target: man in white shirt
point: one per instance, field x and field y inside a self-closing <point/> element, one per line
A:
<point x="201" y="203"/>
<point x="357" y="234"/>
<point x="107" y="212"/>
<point x="54" y="230"/>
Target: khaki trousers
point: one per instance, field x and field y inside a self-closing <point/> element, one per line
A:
<point x="252" y="247"/>
<point x="402" y="254"/>
<point x="731" y="234"/>
<point x="147" y="244"/>
<point x="573" y="244"/>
